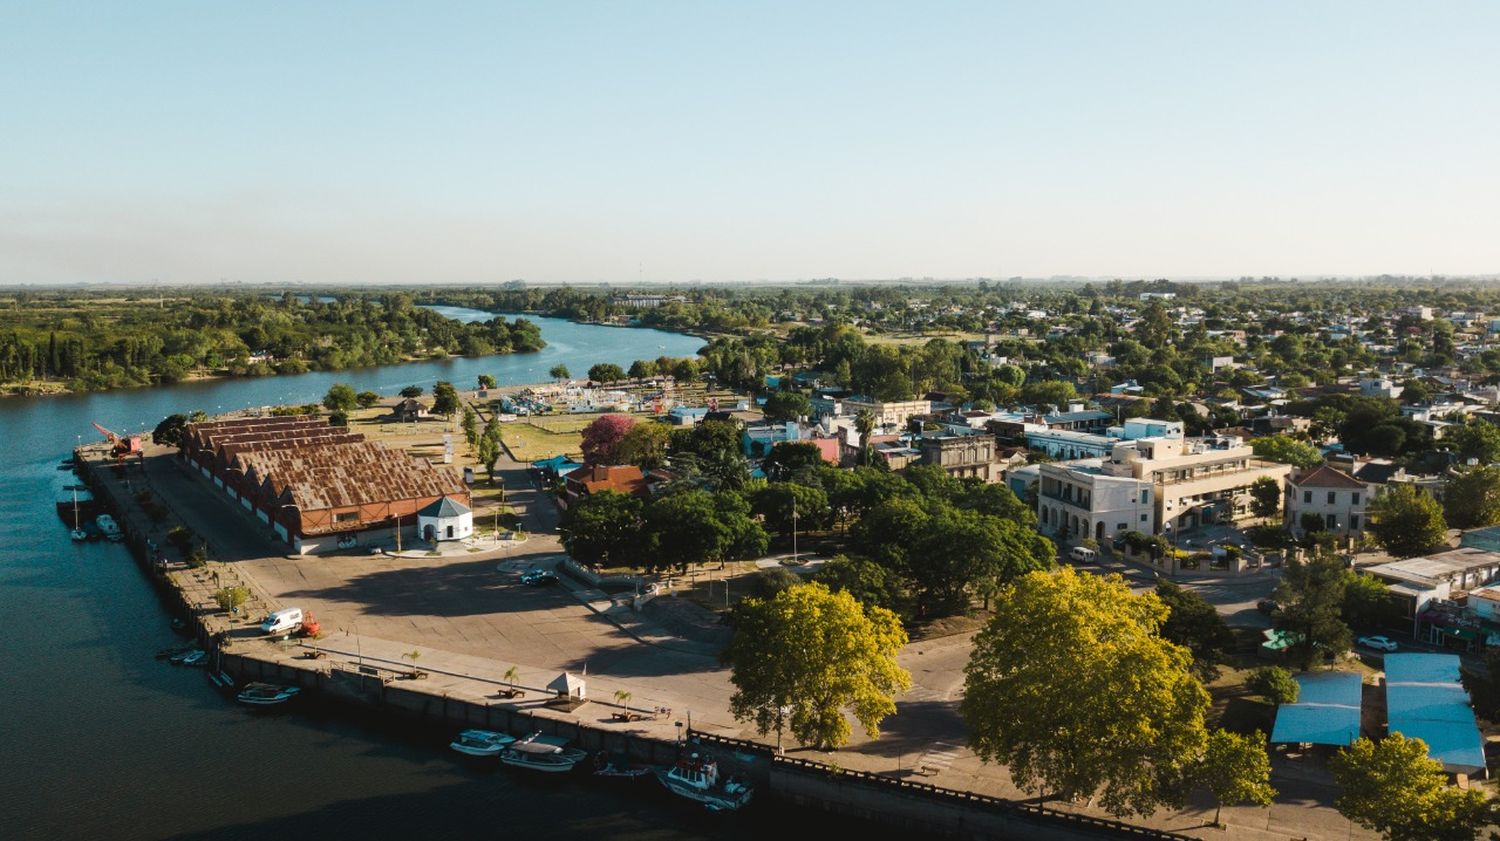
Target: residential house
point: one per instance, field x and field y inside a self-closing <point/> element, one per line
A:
<point x="593" y="478"/>
<point x="1336" y="498"/>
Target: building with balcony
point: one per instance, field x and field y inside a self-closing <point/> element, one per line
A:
<point x="962" y="456"/>
<point x="1184" y="484"/>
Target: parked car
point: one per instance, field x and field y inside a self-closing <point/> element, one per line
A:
<point x="1378" y="643"/>
<point x="1267" y="606"/>
<point x="537" y="577"/>
<point x="1082" y="555"/>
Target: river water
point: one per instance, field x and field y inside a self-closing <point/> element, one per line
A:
<point x="99" y="740"/>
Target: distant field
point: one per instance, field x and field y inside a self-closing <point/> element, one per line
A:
<point x="916" y="339"/>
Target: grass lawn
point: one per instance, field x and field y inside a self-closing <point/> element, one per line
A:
<point x="529" y="442"/>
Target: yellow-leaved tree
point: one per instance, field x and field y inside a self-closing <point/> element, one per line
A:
<point x="802" y="658"/>
<point x="1071" y="687"/>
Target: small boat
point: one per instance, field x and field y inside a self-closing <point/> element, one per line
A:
<point x="697" y="778"/>
<point x="78" y="534"/>
<point x="548" y="754"/>
<point x="618" y="766"/>
<point x="109" y="527"/>
<point x="266" y="694"/>
<point x="221" y="679"/>
<point x="169" y="653"/>
<point x="190" y="658"/>
<point x="481" y="742"/>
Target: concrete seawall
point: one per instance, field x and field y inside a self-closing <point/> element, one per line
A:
<point x="915" y="807"/>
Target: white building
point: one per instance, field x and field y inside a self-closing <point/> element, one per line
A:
<point x="1068" y="445"/>
<point x="1080" y="498"/>
<point x="445" y="519"/>
<point x="1338" y="499"/>
<point x="887" y="414"/>
<point x="1191" y="483"/>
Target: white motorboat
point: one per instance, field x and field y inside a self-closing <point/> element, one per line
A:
<point x="192" y="658"/>
<point x="266" y="694"/>
<point x="548" y="754"/>
<point x="109" y="527"/>
<point x="697" y="778"/>
<point x="481" y="742"/>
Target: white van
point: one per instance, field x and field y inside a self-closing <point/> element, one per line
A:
<point x="1082" y="555"/>
<point x="283" y="621"/>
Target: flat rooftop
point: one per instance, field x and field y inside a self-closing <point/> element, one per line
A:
<point x="1439" y="567"/>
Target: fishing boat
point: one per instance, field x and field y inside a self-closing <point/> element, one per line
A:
<point x="191" y="658"/>
<point x="266" y="694"/>
<point x="481" y="742"/>
<point x="696" y="777"/>
<point x="618" y="766"/>
<point x="548" y="754"/>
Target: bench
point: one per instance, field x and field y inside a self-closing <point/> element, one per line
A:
<point x="928" y="770"/>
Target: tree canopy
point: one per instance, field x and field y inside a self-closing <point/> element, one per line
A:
<point x="1287" y="450"/>
<point x="1311" y="599"/>
<point x="804" y="657"/>
<point x="340" y="398"/>
<point x="1072" y="688"/>
<point x="1196" y="625"/>
<point x="1407" y="522"/>
<point x="1237" y="770"/>
<point x="787" y="406"/>
<point x="603" y="436"/>
<point x="1473" y="498"/>
<point x="1394" y="788"/>
<point x="602" y="526"/>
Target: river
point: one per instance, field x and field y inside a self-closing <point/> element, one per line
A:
<point x="99" y="740"/>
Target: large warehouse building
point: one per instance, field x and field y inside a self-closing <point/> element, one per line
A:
<point x="319" y="487"/>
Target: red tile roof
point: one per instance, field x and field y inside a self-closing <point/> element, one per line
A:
<point x="1324" y="476"/>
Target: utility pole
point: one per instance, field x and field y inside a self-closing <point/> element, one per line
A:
<point x="794" y="533"/>
<point x="398" y="534"/>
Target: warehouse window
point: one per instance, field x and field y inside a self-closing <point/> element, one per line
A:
<point x="346" y="517"/>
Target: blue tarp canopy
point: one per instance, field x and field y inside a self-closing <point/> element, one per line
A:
<point x="1425" y="700"/>
<point x="556" y="464"/>
<point x="1326" y="712"/>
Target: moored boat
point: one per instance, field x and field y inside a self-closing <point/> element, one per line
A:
<point x="195" y="657"/>
<point x="481" y="742"/>
<point x="266" y="694"/>
<point x="109" y="527"/>
<point x="618" y="766"/>
<point x="696" y="777"/>
<point x="548" y="754"/>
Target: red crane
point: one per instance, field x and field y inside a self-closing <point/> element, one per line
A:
<point x="123" y="445"/>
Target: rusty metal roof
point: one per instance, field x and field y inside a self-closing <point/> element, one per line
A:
<point x="349" y="474"/>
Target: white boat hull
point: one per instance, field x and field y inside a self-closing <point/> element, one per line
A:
<point x="562" y="767"/>
<point x="715" y="800"/>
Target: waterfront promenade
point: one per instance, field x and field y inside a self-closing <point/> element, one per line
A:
<point x="469" y="621"/>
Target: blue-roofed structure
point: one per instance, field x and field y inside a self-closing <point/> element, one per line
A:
<point x="1425" y="700"/>
<point x="1326" y="712"/>
<point x="556" y="466"/>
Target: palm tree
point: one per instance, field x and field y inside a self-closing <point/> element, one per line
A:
<point x="623" y="698"/>
<point x="864" y="424"/>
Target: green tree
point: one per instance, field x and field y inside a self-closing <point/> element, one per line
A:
<point x="340" y="398"/>
<point x="789" y="459"/>
<point x="1407" y="522"/>
<point x="559" y="372"/>
<point x="787" y="406"/>
<point x="1473" y="498"/>
<point x="470" y="425"/>
<point x="1394" y="788"/>
<point x="868" y="582"/>
<point x="642" y="369"/>
<point x="1071" y="687"/>
<point x="784" y="505"/>
<point x="489" y="450"/>
<point x="864" y="425"/>
<point x="1049" y="393"/>
<point x="1311" y="599"/>
<point x="486" y="381"/>
<point x="169" y="431"/>
<point x="645" y="445"/>
<point x="694" y="527"/>
<point x="801" y="659"/>
<point x="1287" y="450"/>
<point x="444" y="398"/>
<point x="1237" y="770"/>
<point x="1274" y="683"/>
<point x="366" y="399"/>
<point x="1477" y="440"/>
<point x="606" y="372"/>
<point x="230" y="599"/>
<point x="1265" y="497"/>
<point x="412" y="391"/>
<point x="1197" y="626"/>
<point x="1367" y="601"/>
<point x="603" y="526"/>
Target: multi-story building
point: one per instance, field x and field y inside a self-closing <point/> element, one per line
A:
<point x="962" y="456"/>
<point x="1336" y="498"/>
<point x="1067" y="444"/>
<point x="1186" y="483"/>
<point x="887" y="414"/>
<point x="1080" y="498"/>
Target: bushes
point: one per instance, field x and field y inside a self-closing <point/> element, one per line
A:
<point x="1275" y="683"/>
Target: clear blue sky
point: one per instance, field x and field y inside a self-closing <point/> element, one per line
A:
<point x="721" y="141"/>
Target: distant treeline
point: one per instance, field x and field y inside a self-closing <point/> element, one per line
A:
<point x="91" y="342"/>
